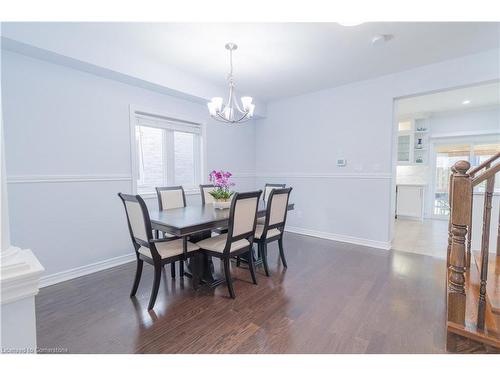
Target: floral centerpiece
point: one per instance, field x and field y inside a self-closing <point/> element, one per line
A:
<point x="222" y="193"/>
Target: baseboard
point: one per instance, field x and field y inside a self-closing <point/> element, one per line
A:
<point x="340" y="237"/>
<point x="73" y="273"/>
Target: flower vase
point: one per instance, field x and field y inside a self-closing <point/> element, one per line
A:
<point x="222" y="204"/>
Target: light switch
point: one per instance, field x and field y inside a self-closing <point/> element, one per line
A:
<point x="341" y="162"/>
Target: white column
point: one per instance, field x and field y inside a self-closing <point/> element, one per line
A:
<point x="19" y="278"/>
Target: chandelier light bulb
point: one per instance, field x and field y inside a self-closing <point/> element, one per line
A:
<point x="246" y="101"/>
<point x="217" y="102"/>
<point x="251" y="109"/>
<point x="211" y="109"/>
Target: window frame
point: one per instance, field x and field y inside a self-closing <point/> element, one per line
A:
<point x="469" y="139"/>
<point x="179" y="120"/>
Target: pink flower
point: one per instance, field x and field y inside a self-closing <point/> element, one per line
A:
<point x="220" y="179"/>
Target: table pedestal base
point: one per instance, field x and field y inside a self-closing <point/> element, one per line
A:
<point x="208" y="275"/>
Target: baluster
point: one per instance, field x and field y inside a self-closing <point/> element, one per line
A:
<point x="450" y="193"/>
<point x="485" y="248"/>
<point x="469" y="234"/>
<point x="460" y="212"/>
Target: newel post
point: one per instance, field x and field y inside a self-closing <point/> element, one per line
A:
<point x="461" y="195"/>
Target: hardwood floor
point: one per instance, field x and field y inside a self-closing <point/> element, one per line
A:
<point x="333" y="298"/>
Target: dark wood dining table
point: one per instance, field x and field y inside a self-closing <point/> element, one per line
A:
<point x="197" y="221"/>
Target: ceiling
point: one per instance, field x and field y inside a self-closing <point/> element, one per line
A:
<point x="277" y="60"/>
<point x="487" y="95"/>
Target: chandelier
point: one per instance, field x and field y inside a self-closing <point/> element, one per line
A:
<point x="231" y="112"/>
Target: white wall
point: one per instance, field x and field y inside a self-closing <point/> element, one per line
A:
<point x="474" y="121"/>
<point x="61" y="123"/>
<point x="302" y="136"/>
<point x="64" y="123"/>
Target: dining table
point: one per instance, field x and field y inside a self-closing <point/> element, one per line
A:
<point x="196" y="222"/>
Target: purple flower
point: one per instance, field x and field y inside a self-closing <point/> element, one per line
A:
<point x="220" y="179"/>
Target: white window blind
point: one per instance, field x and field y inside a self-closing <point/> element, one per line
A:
<point x="168" y="152"/>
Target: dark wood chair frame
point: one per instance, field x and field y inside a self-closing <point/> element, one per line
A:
<point x="226" y="255"/>
<point x="156" y="261"/>
<point x="259" y="260"/>
<point x="160" y="205"/>
<point x="279" y="186"/>
<point x="264" y="240"/>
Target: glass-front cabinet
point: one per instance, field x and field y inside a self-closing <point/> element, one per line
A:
<point x="404" y="148"/>
<point x="412" y="141"/>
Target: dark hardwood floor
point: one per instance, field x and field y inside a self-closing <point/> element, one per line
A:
<point x="333" y="298"/>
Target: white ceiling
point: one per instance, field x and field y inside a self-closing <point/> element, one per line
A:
<point x="280" y="59"/>
<point x="479" y="96"/>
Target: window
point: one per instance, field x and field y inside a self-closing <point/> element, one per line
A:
<point x="167" y="152"/>
<point x="446" y="156"/>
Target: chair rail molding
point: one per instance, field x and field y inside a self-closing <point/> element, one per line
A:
<point x="360" y="175"/>
<point x="31" y="179"/>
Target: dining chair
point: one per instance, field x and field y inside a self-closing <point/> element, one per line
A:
<point x="205" y="190"/>
<point x="274" y="225"/>
<point x="267" y="190"/>
<point x="207" y="198"/>
<point x="239" y="237"/>
<point x="270" y="187"/>
<point x="155" y="251"/>
<point x="171" y="197"/>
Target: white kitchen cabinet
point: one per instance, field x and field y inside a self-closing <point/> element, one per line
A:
<point x="410" y="201"/>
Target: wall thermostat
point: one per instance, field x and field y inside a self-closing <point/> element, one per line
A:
<point x="341" y="162"/>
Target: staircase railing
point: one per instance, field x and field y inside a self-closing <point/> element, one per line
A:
<point x="462" y="183"/>
<point x="472" y="173"/>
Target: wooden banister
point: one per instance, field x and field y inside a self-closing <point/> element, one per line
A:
<point x="485" y="248"/>
<point x="487" y="174"/>
<point x="466" y="295"/>
<point x="461" y="194"/>
<point x="484" y="164"/>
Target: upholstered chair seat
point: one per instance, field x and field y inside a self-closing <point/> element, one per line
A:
<point x="270" y="233"/>
<point x="218" y="243"/>
<point x="272" y="226"/>
<point x="239" y="237"/>
<point x="151" y="250"/>
<point x="168" y="249"/>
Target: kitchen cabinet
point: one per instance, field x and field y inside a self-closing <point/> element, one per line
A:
<point x="410" y="201"/>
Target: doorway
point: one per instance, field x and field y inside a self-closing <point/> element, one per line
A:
<point x="434" y="132"/>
